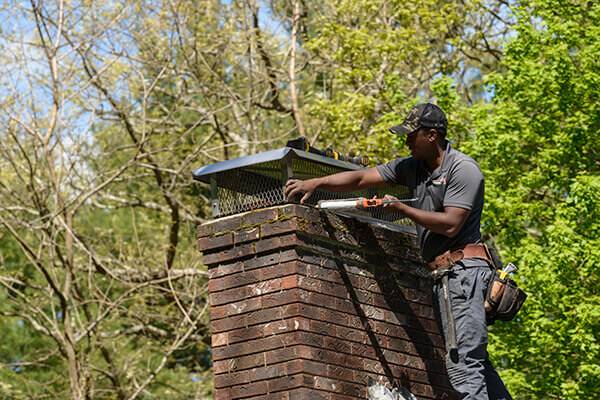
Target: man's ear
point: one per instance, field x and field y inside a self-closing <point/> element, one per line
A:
<point x="432" y="135"/>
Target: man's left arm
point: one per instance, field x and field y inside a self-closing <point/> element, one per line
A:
<point x="465" y="186"/>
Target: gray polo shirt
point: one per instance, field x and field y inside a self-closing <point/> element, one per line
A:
<point x="458" y="182"/>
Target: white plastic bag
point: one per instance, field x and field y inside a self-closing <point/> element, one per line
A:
<point x="380" y="392"/>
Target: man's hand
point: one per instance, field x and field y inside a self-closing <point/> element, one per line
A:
<point x="296" y="186"/>
<point x="380" y="203"/>
<point x="347" y="181"/>
<point x="390" y="207"/>
<point x="374" y="202"/>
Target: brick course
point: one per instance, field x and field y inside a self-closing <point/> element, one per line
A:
<point x="311" y="305"/>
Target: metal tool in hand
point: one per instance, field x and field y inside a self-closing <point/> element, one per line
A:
<point x="359" y="202"/>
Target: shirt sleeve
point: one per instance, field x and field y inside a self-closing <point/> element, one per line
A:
<point x="396" y="171"/>
<point x="465" y="185"/>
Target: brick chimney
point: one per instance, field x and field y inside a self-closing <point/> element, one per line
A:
<point x="307" y="304"/>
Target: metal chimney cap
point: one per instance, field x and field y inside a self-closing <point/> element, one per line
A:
<point x="203" y="173"/>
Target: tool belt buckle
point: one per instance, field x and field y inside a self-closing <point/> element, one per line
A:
<point x="443" y="266"/>
<point x="439" y="273"/>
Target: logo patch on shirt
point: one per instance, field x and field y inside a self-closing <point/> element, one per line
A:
<point x="439" y="181"/>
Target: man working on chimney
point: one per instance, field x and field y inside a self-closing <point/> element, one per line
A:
<point x="449" y="188"/>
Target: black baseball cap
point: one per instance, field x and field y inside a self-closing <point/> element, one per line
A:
<point x="424" y="115"/>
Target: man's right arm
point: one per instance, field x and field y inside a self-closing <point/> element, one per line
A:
<point x="348" y="181"/>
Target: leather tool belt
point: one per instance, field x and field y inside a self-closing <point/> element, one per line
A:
<point x="451" y="257"/>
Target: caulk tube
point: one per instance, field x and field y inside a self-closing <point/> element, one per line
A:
<point x="360" y="203"/>
<point x="337" y="204"/>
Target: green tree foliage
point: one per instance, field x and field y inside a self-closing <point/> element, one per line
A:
<point x="103" y="295"/>
<point x="537" y="144"/>
<point x="377" y="58"/>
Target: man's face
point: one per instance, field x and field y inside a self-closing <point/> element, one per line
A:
<point x="420" y="143"/>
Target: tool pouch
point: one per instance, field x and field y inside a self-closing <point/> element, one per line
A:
<point x="503" y="299"/>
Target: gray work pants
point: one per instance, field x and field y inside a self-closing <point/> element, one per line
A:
<point x="470" y="371"/>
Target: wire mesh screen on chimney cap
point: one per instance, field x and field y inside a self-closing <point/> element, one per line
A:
<point x="257" y="181"/>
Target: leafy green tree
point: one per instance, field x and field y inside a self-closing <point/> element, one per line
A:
<point x="375" y="59"/>
<point x="537" y="144"/>
<point x="103" y="294"/>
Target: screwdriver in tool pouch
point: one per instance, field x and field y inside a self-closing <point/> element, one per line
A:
<point x="508" y="269"/>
